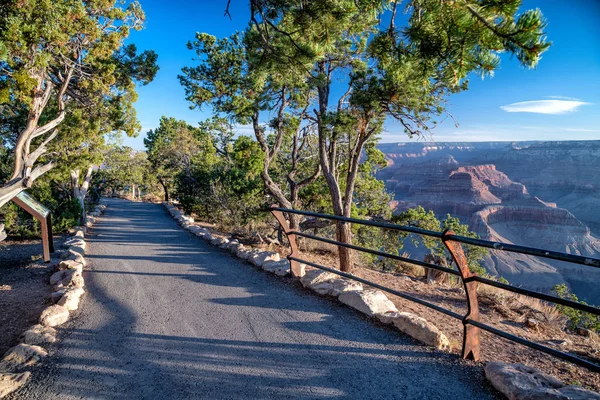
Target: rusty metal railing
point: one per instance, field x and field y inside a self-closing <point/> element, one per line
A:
<point x="471" y="320"/>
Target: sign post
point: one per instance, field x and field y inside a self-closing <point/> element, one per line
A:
<point x="42" y="214"/>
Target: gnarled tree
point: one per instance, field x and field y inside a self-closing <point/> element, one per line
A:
<point x="364" y="68"/>
<point x="54" y="55"/>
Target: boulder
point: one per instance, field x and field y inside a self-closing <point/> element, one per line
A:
<point x="22" y="355"/>
<point x="232" y="246"/>
<point x="368" y="301"/>
<point x="418" y="328"/>
<point x="247" y="254"/>
<point x="55" y="296"/>
<point x="520" y="382"/>
<point x="70" y="300"/>
<point x="342" y="285"/>
<point x="58" y="276"/>
<point x="54" y="315"/>
<point x="67" y="278"/>
<point x="262" y="257"/>
<point x="78" y="249"/>
<point x="280" y="268"/>
<point x="70" y="265"/>
<point x="39" y="334"/>
<point x="73" y="255"/>
<point x="79" y="233"/>
<point x="317" y="278"/>
<point x="11" y="382"/>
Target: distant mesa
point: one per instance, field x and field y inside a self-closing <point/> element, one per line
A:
<point x="539" y="194"/>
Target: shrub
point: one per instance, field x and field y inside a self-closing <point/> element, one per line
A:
<point x="577" y="318"/>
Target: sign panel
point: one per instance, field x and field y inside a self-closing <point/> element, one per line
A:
<point x="32" y="203"/>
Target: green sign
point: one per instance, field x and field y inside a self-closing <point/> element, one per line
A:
<point x="33" y="204"/>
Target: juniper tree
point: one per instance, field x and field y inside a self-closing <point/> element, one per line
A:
<point x="364" y="67"/>
<point x="273" y="103"/>
<point x="56" y="56"/>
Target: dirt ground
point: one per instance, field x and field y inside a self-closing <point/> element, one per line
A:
<point x="24" y="287"/>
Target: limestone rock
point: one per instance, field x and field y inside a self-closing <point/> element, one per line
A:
<point x="70" y="264"/>
<point x="54" y="315"/>
<point x="262" y="257"/>
<point x="22" y="355"/>
<point x="39" y="334"/>
<point x="280" y="268"/>
<point x="369" y="302"/>
<point x="342" y="285"/>
<point x="55" y="296"/>
<point x="58" y="277"/>
<point x="70" y="300"/>
<point x="573" y="392"/>
<point x="73" y="255"/>
<point x="67" y="278"/>
<point x="520" y="382"/>
<point x="246" y="254"/>
<point x="421" y="329"/>
<point x="318" y="280"/>
<point x="11" y="382"/>
<point x="77" y="249"/>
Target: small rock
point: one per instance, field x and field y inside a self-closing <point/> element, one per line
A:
<point x="39" y="334"/>
<point x="421" y="329"/>
<point x="57" y="277"/>
<point x="70" y="300"/>
<point x="54" y="315"/>
<point x="280" y="268"/>
<point x="342" y="285"/>
<point x="55" y="296"/>
<point x="22" y="355"/>
<point x="532" y="323"/>
<point x="11" y="382"/>
<point x="262" y="257"/>
<point x="318" y="280"/>
<point x="70" y="264"/>
<point x="572" y="392"/>
<point x="79" y="234"/>
<point x="369" y="302"/>
<point x="518" y="381"/>
<point x="77" y="249"/>
<point x="559" y="342"/>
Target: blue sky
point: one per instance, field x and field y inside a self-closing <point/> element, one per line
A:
<point x="559" y="100"/>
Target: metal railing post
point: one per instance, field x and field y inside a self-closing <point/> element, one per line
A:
<point x="294" y="265"/>
<point x="471" y="345"/>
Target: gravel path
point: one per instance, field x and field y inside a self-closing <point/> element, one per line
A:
<point x="167" y="316"/>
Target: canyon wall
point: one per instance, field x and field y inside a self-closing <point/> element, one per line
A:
<point x="538" y="194"/>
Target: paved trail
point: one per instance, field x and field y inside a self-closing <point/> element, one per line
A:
<point x="167" y="316"/>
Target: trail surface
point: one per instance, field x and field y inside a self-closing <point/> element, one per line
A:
<point x="167" y="316"/>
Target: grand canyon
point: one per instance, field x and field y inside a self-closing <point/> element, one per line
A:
<point x="538" y="194"/>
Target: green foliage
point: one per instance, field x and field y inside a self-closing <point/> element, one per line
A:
<point x="577" y="318"/>
<point x="65" y="211"/>
<point x="123" y="168"/>
<point x="225" y="189"/>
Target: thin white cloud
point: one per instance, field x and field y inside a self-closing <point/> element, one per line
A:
<point x="545" y="106"/>
<point x="563" y="98"/>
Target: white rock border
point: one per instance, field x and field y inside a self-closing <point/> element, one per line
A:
<point x="68" y="287"/>
<point x="371" y="302"/>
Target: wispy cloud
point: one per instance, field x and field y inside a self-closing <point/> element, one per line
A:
<point x="545" y="106"/>
<point x="563" y="98"/>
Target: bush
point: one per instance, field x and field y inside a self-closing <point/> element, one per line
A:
<point x="577" y="318"/>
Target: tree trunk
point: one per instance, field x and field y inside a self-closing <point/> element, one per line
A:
<point x="132" y="192"/>
<point x="344" y="235"/>
<point x="11" y="189"/>
<point x="165" y="189"/>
